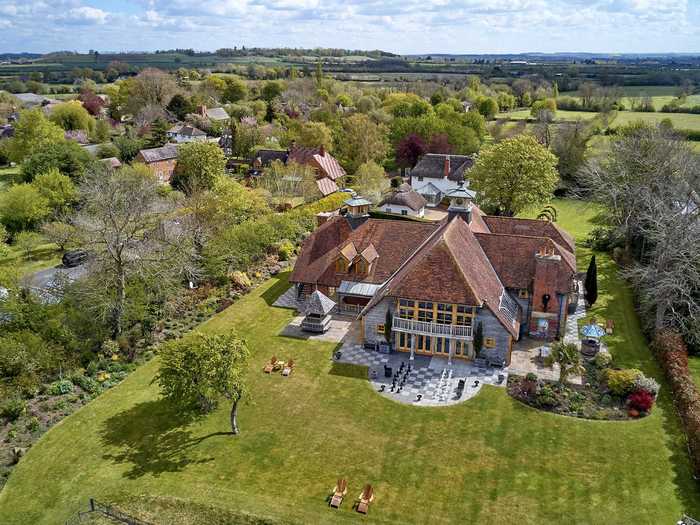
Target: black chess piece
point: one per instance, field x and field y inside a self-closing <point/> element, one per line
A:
<point x="381" y="389"/>
<point x="392" y="388"/>
<point x="419" y="397"/>
<point x="476" y="383"/>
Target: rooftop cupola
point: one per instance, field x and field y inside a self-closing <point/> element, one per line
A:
<point x="460" y="203"/>
<point x="357" y="208"/>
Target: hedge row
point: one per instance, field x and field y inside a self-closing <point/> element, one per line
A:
<point x="240" y="246"/>
<point x="673" y="356"/>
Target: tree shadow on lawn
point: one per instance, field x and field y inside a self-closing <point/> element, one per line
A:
<point x="153" y="437"/>
<point x="272" y="294"/>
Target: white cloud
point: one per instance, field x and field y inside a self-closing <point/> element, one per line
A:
<point x="410" y="26"/>
<point x="86" y="15"/>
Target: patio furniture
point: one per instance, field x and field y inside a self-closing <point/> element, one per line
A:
<point x="269" y="367"/>
<point x="339" y="492"/>
<point x="365" y="499"/>
<point x="609" y="326"/>
<point x="287" y="370"/>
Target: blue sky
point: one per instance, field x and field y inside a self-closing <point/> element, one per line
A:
<point x="402" y="26"/>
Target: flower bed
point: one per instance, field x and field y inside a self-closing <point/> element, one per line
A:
<point x="607" y="393"/>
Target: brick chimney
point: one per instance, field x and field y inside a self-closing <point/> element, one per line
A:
<point x="322" y="151"/>
<point x="446" y="168"/>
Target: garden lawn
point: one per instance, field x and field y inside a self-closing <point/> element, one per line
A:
<point x="488" y="460"/>
<point x="694" y="365"/>
<point x="42" y="257"/>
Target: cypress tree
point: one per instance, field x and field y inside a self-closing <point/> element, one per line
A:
<point x="591" y="283"/>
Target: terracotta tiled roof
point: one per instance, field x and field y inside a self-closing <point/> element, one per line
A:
<point x="513" y="257"/>
<point x="533" y="227"/>
<point x="393" y="241"/>
<point x="326" y="186"/>
<point x="370" y="253"/>
<point x="322" y="159"/>
<point x="451" y="267"/>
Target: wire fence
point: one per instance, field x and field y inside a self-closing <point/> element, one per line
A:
<point x="110" y="511"/>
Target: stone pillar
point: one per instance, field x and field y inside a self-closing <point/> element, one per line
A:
<point x="413" y="347"/>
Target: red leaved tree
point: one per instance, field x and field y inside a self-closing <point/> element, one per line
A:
<point x="409" y="150"/>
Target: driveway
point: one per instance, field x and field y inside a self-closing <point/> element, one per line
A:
<point x="45" y="281"/>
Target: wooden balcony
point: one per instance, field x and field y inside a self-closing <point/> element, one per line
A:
<point x="411" y="326"/>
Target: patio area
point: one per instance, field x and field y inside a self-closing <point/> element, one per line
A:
<point x="339" y="327"/>
<point x="427" y="381"/>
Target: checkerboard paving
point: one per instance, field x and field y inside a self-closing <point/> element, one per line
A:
<point x="424" y="379"/>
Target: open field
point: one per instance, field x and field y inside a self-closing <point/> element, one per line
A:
<point x="524" y="114"/>
<point x="679" y="120"/>
<point x="490" y="459"/>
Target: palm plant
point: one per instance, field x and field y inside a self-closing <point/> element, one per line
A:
<point x="569" y="359"/>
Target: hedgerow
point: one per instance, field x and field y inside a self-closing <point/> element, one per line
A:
<point x="673" y="356"/>
<point x="244" y="244"/>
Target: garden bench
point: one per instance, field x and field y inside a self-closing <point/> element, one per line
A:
<point x="339" y="492"/>
<point x="365" y="499"/>
<point x="270" y="366"/>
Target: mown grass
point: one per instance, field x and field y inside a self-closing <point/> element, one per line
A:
<point x="488" y="460"/>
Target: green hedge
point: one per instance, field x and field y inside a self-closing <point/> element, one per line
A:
<point x="241" y="246"/>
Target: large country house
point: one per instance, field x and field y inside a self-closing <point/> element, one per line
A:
<point x="437" y="174"/>
<point x="428" y="286"/>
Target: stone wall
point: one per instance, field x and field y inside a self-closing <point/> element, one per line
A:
<point x="492" y="327"/>
<point x="377" y="315"/>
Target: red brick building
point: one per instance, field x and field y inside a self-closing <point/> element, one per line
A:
<point x="162" y="161"/>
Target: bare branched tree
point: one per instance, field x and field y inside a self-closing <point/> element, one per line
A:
<point x="131" y="233"/>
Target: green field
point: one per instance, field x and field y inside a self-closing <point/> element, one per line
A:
<point x="488" y="460"/>
<point x="679" y="120"/>
<point x="561" y="115"/>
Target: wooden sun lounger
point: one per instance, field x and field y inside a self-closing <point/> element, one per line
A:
<point x="366" y="498"/>
<point x="609" y="326"/>
<point x="339" y="492"/>
<point x="288" y="368"/>
<point x="270" y="366"/>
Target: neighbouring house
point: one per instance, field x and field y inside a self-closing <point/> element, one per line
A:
<point x="424" y="288"/>
<point x="185" y="133"/>
<point x="162" y="161"/>
<point x="213" y="114"/>
<point x="436" y="174"/>
<point x="404" y="201"/>
<point x="326" y="167"/>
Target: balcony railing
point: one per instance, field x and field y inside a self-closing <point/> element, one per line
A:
<point x="412" y="326"/>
